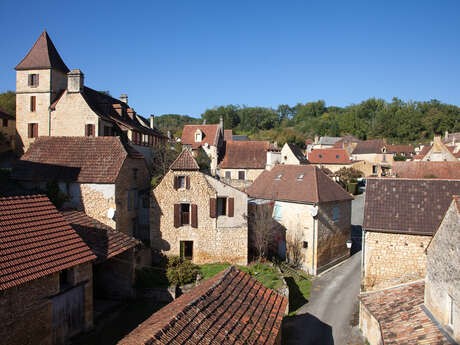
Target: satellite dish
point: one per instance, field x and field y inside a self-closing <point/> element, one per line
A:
<point x="314" y="211"/>
<point x="111" y="213"/>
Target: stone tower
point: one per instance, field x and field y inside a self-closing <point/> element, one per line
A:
<point x="40" y="78"/>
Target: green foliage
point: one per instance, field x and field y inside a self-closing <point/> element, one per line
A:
<point x="348" y="175"/>
<point x="181" y="271"/>
<point x="210" y="270"/>
<point x="162" y="158"/>
<point x="54" y="193"/>
<point x="203" y="160"/>
<point x="8" y="102"/>
<point x="429" y="176"/>
<point x="174" y="123"/>
<point x="399" y="158"/>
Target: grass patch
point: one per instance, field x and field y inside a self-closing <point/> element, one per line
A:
<point x="299" y="285"/>
<point x="210" y="270"/>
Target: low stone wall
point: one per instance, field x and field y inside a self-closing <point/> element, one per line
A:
<point x="369" y="326"/>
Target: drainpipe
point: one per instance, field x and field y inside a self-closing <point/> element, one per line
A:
<point x="49" y="121"/>
<point x="313" y="270"/>
<point x="363" y="256"/>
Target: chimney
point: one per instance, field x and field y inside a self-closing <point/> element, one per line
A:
<point x="151" y="120"/>
<point x="204" y="121"/>
<point x="316" y="139"/>
<point x="75" y="81"/>
<point x="221" y="123"/>
<point x="124" y="98"/>
<point x="130" y="113"/>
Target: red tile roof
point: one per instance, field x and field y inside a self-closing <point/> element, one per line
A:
<point x="5" y="115"/>
<point x="398" y="149"/>
<point x="104" y="241"/>
<point x="185" y="161"/>
<point x="422" y="153"/>
<point x="43" y="55"/>
<point x="230" y="308"/>
<point x="401" y="316"/>
<point x="423" y="169"/>
<point x="245" y="155"/>
<point x="36" y="240"/>
<point x="329" y="156"/>
<point x="369" y="146"/>
<point x="210" y="135"/>
<point x="297" y="183"/>
<point x="412" y="206"/>
<point x="74" y="159"/>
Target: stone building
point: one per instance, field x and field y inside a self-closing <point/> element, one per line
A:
<point x="230" y="308"/>
<point x="292" y="154"/>
<point x="101" y="176"/>
<point x="374" y="153"/>
<point x="243" y="162"/>
<point x="47" y="93"/>
<point x="209" y="138"/>
<point x="440" y="152"/>
<point x="46" y="282"/>
<point x="442" y="283"/>
<point x="400" y="218"/>
<point x="198" y="217"/>
<point x="8" y="131"/>
<point x="314" y="211"/>
<point x="332" y="159"/>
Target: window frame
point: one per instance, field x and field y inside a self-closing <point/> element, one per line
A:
<point x="33" y="80"/>
<point x="222" y="206"/>
<point x="228" y="175"/>
<point x="335" y="213"/>
<point x="183" y="213"/>
<point x="241" y="172"/>
<point x="183" y="245"/>
<point x="5" y="122"/>
<point x="32" y="130"/>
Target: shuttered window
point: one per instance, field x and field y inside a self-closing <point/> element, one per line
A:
<point x="212" y="207"/>
<point x="33" y="103"/>
<point x="89" y="130"/>
<point x="194" y="221"/>
<point x="231" y="207"/>
<point x="241" y="175"/>
<point x="177" y="215"/>
<point x="33" y="130"/>
<point x="187" y="182"/>
<point x="33" y="80"/>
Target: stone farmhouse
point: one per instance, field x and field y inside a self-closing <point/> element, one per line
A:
<point x="244" y="161"/>
<point x="46" y="278"/>
<point x="101" y="176"/>
<point x="439" y="152"/>
<point x="374" y="153"/>
<point x="314" y="211"/>
<point x="400" y="219"/>
<point x="292" y="154"/>
<point x="230" y="308"/>
<point x="53" y="101"/>
<point x="198" y="217"/>
<point x="421" y="311"/>
<point x="7" y="130"/>
<point x="332" y="159"/>
<point x="401" y="150"/>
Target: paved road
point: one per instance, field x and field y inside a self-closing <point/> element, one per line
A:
<point x="326" y="318"/>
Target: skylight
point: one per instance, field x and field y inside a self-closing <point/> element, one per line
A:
<point x="320" y="156"/>
<point x="278" y="177"/>
<point x="300" y="178"/>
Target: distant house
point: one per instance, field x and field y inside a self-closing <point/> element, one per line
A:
<point x="101" y="176"/>
<point x="400" y="219"/>
<point x="325" y="142"/>
<point x="47" y="92"/>
<point x="292" y="154"/>
<point x="374" y="153"/>
<point x="46" y="278"/>
<point x="331" y="159"/>
<point x="314" y="210"/>
<point x="439" y="152"/>
<point x="230" y="308"/>
<point x="406" y="151"/>
<point x="198" y="217"/>
<point x="424" y="170"/>
<point x="209" y="138"/>
<point x="243" y="162"/>
<point x="8" y="131"/>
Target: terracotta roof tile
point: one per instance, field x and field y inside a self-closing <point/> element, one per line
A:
<point x="329" y="156"/>
<point x="398" y="149"/>
<point x="407" y="205"/>
<point x="104" y="241"/>
<point x="210" y="135"/>
<point x="79" y="159"/>
<point x="185" y="161"/>
<point x="43" y="55"/>
<point x="423" y="169"/>
<point x="230" y="308"/>
<point x="369" y="146"/>
<point x="297" y="183"/>
<point x="245" y="155"/>
<point x="36" y="240"/>
<point x="401" y="316"/>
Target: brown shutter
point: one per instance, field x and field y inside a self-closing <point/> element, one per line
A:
<point x="86" y="130"/>
<point x="30" y="133"/>
<point x="194" y="216"/>
<point x="35" y="130"/>
<point x="212" y="207"/>
<point x="177" y="215"/>
<point x="29" y="82"/>
<point x="175" y="182"/>
<point x="187" y="182"/>
<point x="231" y="202"/>
<point x="37" y="81"/>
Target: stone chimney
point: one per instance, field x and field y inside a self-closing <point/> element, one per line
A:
<point x="151" y="120"/>
<point x="221" y="123"/>
<point x="75" y="81"/>
<point x="446" y="135"/>
<point x="124" y="98"/>
<point x="316" y="139"/>
<point x="204" y="121"/>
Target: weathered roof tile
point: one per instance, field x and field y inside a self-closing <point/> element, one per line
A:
<point x="245" y="155"/>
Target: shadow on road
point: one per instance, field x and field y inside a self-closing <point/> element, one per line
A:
<point x="356" y="239"/>
<point x="296" y="299"/>
<point x="306" y="329"/>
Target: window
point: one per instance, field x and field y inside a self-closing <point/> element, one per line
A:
<point x="300" y="177"/>
<point x="33" y="130"/>
<point x="228" y="175"/>
<point x="180" y="181"/>
<point x="335" y="213"/>
<point x="277" y="212"/>
<point x="221" y="206"/>
<point x="337" y="156"/>
<point x="65" y="279"/>
<point x="89" y="130"/>
<point x="197" y="137"/>
<point x="320" y="156"/>
<point x="278" y="177"/>
<point x="184" y="214"/>
<point x="5" y="123"/>
<point x="33" y="103"/>
<point x="107" y="131"/>
<point x="186" y="250"/>
<point x="241" y="175"/>
<point x="33" y="80"/>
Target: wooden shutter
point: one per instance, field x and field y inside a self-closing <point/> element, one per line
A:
<point x="212" y="207"/>
<point x="231" y="202"/>
<point x="176" y="182"/>
<point x="36" y="79"/>
<point x="187" y="182"/>
<point x="32" y="103"/>
<point x="35" y="130"/>
<point x="194" y="216"/>
<point x="30" y="134"/>
<point x="177" y="222"/>
<point x="29" y="82"/>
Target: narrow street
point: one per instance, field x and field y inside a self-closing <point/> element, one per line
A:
<point x="327" y="318"/>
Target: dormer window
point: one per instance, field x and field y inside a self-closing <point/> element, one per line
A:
<point x="198" y="136"/>
<point x="337" y="156"/>
<point x="320" y="156"/>
<point x="277" y="178"/>
<point x="33" y="80"/>
<point x="300" y="177"/>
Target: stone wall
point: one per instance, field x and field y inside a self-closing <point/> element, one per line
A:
<point x="391" y="259"/>
<point x="10" y="135"/>
<point x="221" y="239"/>
<point x="443" y="271"/>
<point x="96" y="199"/>
<point x="369" y="326"/>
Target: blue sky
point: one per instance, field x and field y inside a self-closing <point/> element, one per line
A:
<point x="186" y="56"/>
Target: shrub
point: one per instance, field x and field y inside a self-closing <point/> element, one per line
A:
<point x="180" y="271"/>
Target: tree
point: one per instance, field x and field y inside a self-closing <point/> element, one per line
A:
<point x="8" y="102"/>
<point x="162" y="158"/>
<point x="348" y="175"/>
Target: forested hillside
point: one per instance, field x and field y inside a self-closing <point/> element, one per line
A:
<point x="174" y="123"/>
